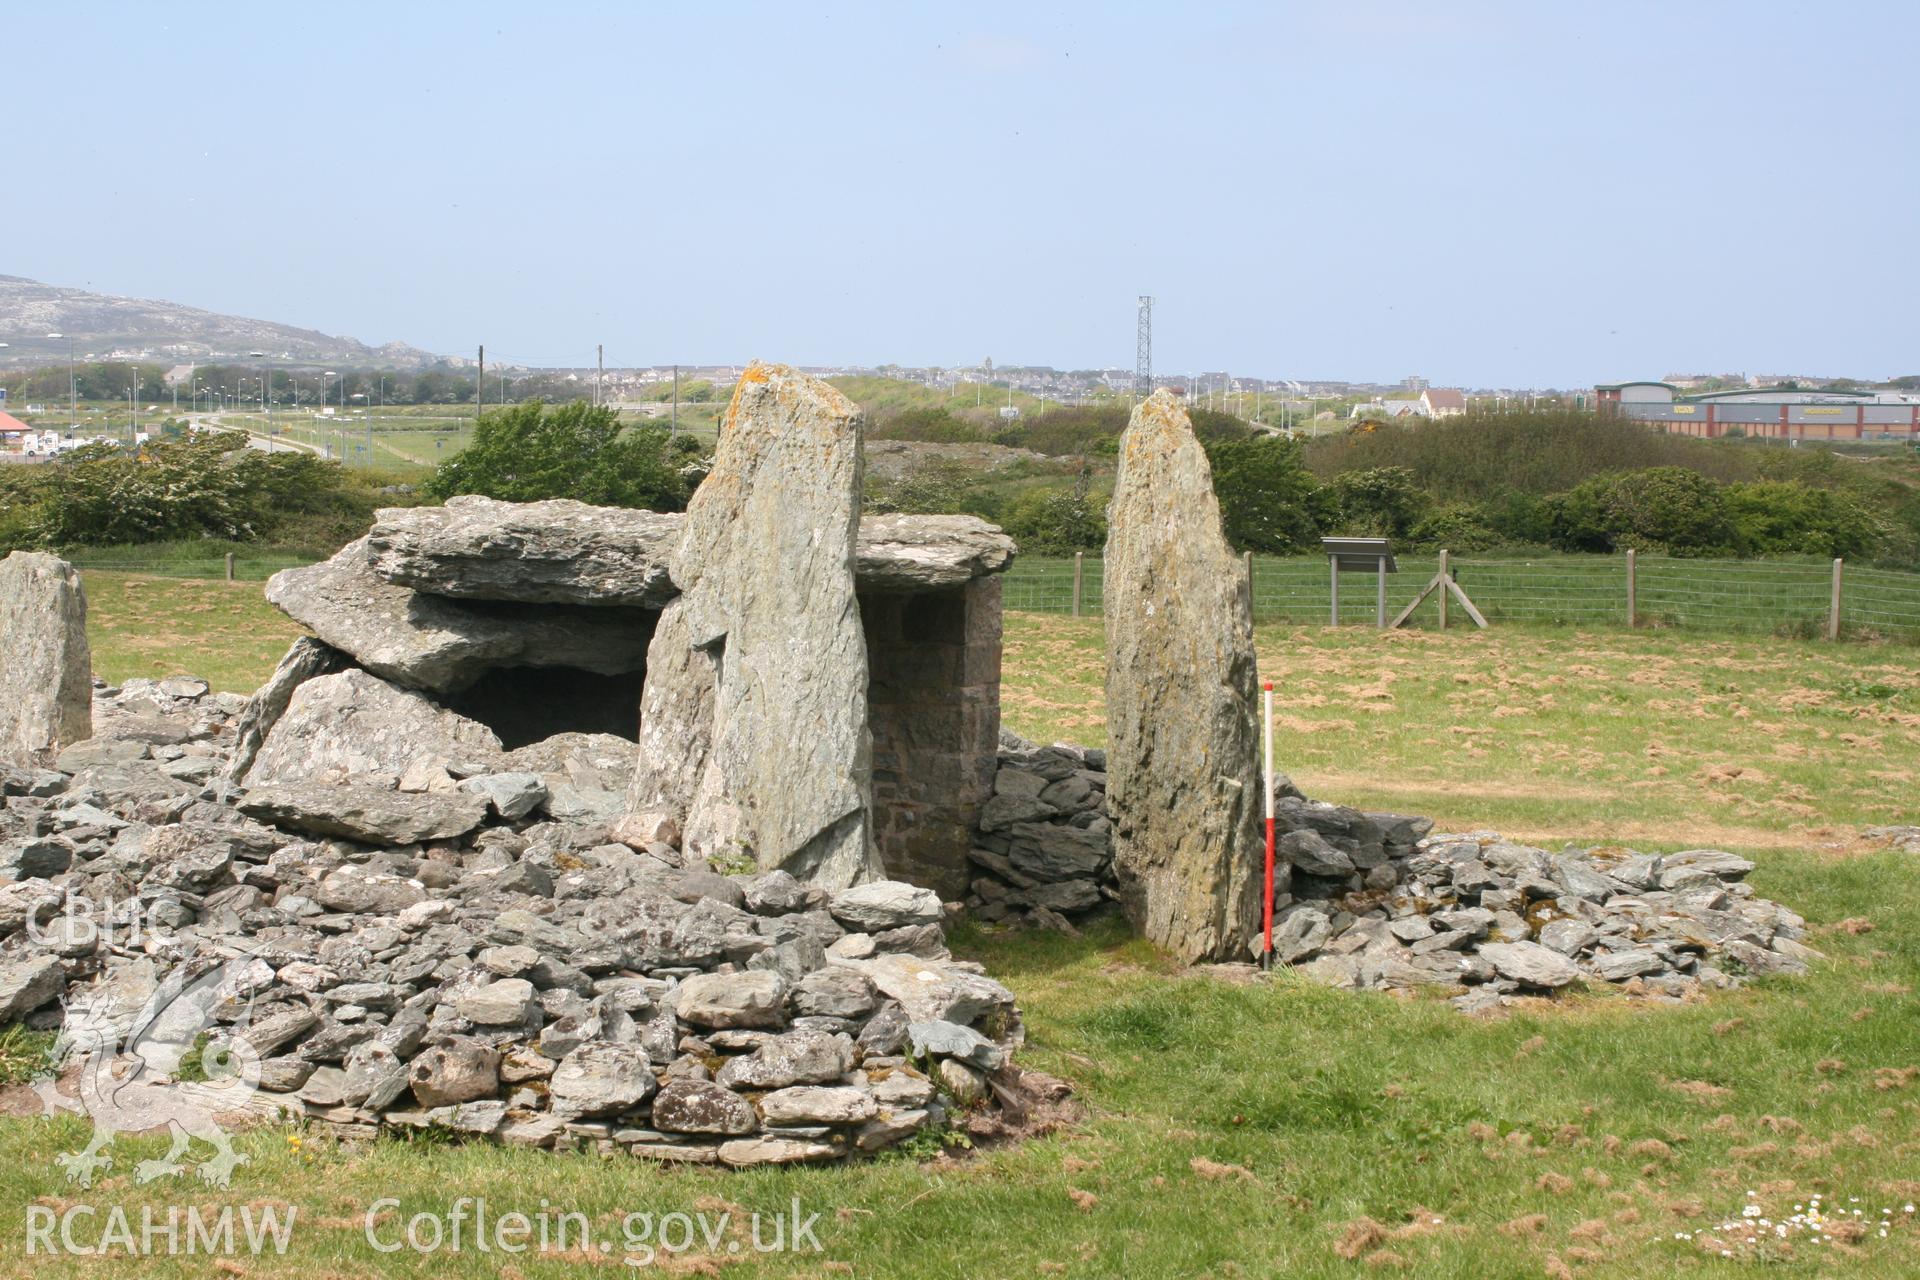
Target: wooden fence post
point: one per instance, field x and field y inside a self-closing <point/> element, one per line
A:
<point x="1079" y="557"/>
<point x="1444" y="593"/>
<point x="1633" y="591"/>
<point x="229" y="566"/>
<point x="1833" y="609"/>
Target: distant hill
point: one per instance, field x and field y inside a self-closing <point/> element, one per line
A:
<point x="107" y="327"/>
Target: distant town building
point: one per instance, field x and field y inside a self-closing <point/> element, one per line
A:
<point x="1432" y="402"/>
<point x="1780" y="413"/>
<point x="1389" y="409"/>
<point x="1413" y="382"/>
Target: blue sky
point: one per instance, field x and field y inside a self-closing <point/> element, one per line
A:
<point x="1489" y="194"/>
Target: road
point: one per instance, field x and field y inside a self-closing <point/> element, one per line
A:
<point x="258" y="439"/>
<point x="255" y="439"/>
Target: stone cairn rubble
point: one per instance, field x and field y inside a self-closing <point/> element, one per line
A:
<point x="459" y="957"/>
<point x="413" y="923"/>
<point x="1379" y="901"/>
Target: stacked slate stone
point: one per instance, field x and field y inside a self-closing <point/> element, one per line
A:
<point x="1044" y="848"/>
<point x="1497" y="919"/>
<point x="1377" y="901"/>
<point x="484" y="966"/>
<point x="1906" y="839"/>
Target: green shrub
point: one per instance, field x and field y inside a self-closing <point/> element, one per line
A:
<point x="1269" y="501"/>
<point x="1466" y="527"/>
<point x="1053" y="522"/>
<point x="1381" y="502"/>
<point x="1661" y="509"/>
<point x="1774" y="517"/>
<point x="933" y="426"/>
<point x="942" y="489"/>
<point x="1071" y="429"/>
<point x="208" y="487"/>
<point x="1486" y="454"/>
<point x="578" y="450"/>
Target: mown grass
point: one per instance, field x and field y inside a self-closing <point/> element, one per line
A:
<point x="1244" y="1130"/>
<point x="142" y="624"/>
<point x="1555" y="732"/>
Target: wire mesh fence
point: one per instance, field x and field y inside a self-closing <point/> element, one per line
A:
<point x="1761" y="596"/>
<point x="245" y="568"/>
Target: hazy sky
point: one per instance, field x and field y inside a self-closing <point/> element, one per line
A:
<point x="1487" y="194"/>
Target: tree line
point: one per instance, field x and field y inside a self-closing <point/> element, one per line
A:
<point x="241" y="383"/>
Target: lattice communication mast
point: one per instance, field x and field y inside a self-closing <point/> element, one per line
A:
<point x="1143" y="350"/>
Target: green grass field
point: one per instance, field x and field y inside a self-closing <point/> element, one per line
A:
<point x="1284" y="1130"/>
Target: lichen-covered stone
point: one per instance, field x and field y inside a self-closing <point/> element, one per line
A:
<point x="351" y="724"/>
<point x="307" y="659"/>
<point x="557" y="552"/>
<point x="676" y="722"/>
<point x="765" y="564"/>
<point x="442" y="645"/>
<point x="46" y="676"/>
<point x="1183" y="781"/>
<point x="565" y="552"/>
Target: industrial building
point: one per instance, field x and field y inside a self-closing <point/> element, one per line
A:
<point x="1773" y="413"/>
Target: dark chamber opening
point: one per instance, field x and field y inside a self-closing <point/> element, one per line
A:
<point x="527" y="704"/>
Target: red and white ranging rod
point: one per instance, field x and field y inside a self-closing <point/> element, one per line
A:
<point x="1266" y="734"/>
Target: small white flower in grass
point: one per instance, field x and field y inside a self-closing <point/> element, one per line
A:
<point x="1908" y="1209"/>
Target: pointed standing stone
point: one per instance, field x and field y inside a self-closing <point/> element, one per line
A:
<point x="1183" y="781"/>
<point x="765" y="567"/>
<point x="46" y="672"/>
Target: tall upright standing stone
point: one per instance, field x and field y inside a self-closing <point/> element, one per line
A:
<point x="1183" y="775"/>
<point x="46" y="673"/>
<point x="765" y="568"/>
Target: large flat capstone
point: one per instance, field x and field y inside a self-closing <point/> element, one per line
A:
<point x="441" y="645"/>
<point x="566" y="552"/>
<point x="1183" y="781"/>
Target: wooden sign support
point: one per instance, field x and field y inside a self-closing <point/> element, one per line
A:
<point x="1442" y="582"/>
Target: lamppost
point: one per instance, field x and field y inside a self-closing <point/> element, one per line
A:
<point x="266" y="405"/>
<point x="73" y="387"/>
